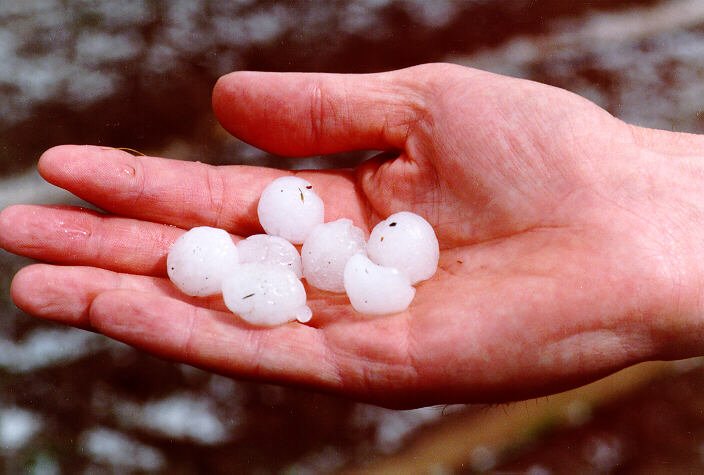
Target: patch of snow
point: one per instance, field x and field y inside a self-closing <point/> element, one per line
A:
<point x="392" y="426"/>
<point x="48" y="347"/>
<point x="180" y="416"/>
<point x="17" y="427"/>
<point x="116" y="449"/>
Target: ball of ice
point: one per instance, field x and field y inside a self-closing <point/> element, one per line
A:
<point x="265" y="294"/>
<point x="289" y="208"/>
<point x="270" y="250"/>
<point x="406" y="242"/>
<point x="326" y="251"/>
<point x="200" y="259"/>
<point x="374" y="289"/>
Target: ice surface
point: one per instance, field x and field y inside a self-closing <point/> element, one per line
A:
<point x="270" y="250"/>
<point x="327" y="250"/>
<point x="406" y="242"/>
<point x="200" y="259"/>
<point x="303" y="314"/>
<point x="265" y="294"/>
<point x="289" y="208"/>
<point x="374" y="289"/>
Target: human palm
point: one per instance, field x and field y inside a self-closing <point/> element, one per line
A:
<point x="556" y="265"/>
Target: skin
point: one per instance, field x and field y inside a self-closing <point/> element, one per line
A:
<point x="571" y="242"/>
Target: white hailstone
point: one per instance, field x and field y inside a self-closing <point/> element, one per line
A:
<point x="200" y="259"/>
<point x="289" y="208"/>
<point x="265" y="294"/>
<point x="272" y="250"/>
<point x="326" y="251"/>
<point x="406" y="242"/>
<point x="376" y="290"/>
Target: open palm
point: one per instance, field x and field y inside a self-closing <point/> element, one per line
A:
<point x="557" y="262"/>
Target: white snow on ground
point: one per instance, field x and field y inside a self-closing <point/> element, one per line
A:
<point x="46" y="347"/>
<point x="17" y="427"/>
<point x="180" y="416"/>
<point x="636" y="47"/>
<point x="393" y="426"/>
<point x="73" y="52"/>
<point x="116" y="449"/>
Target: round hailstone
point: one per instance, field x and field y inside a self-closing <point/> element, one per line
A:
<point x="326" y="251"/>
<point x="270" y="250"/>
<point x="265" y="294"/>
<point x="376" y="290"/>
<point x="406" y="242"/>
<point x="200" y="259"/>
<point x="289" y="208"/>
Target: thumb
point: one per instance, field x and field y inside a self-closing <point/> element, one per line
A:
<point x="299" y="114"/>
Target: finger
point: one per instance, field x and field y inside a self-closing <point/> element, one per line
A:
<point x="155" y="316"/>
<point x="65" y="300"/>
<point x="186" y="194"/>
<point x="213" y="340"/>
<point x="304" y="114"/>
<point x="64" y="294"/>
<point x="65" y="235"/>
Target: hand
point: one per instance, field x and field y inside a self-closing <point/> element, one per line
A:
<point x="571" y="242"/>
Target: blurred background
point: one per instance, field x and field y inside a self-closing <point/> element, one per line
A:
<point x="138" y="74"/>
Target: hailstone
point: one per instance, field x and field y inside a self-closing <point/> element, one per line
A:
<point x="200" y="259"/>
<point x="406" y="242"/>
<point x="374" y="289"/>
<point x="270" y="249"/>
<point x="265" y="294"/>
<point x="327" y="250"/>
<point x="289" y="208"/>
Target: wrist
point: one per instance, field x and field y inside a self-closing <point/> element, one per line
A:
<point x="658" y="215"/>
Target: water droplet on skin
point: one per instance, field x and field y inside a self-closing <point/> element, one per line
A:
<point x="303" y="314"/>
<point x="76" y="234"/>
<point x="72" y="233"/>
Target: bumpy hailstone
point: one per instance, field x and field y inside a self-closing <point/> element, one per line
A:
<point x="270" y="250"/>
<point x="289" y="208"/>
<point x="265" y="294"/>
<point x="374" y="289"/>
<point x="406" y="242"/>
<point x="200" y="259"/>
<point x="326" y="251"/>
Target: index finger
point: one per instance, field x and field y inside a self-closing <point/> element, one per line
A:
<point x="187" y="194"/>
